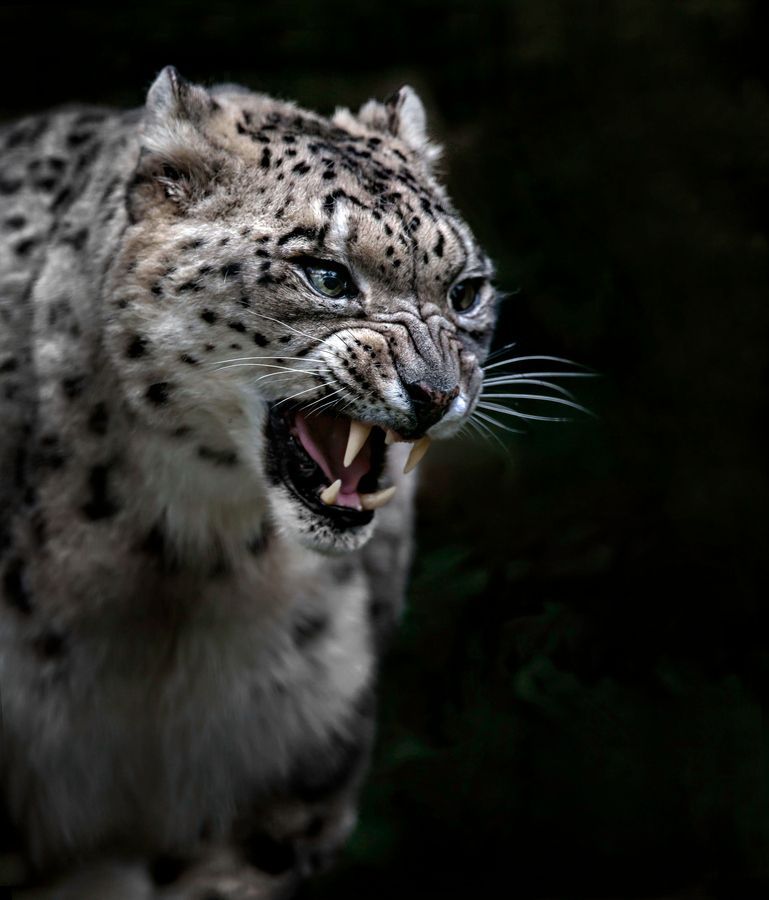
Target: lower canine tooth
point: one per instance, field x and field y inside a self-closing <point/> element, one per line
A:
<point x="374" y="501"/>
<point x="418" y="450"/>
<point x="356" y="439"/>
<point x="331" y="493"/>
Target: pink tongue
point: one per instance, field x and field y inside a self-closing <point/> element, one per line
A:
<point x="325" y="441"/>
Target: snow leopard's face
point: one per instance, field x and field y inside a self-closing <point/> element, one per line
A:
<point x="296" y="296"/>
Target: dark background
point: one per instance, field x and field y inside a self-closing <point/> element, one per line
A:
<point x="572" y="707"/>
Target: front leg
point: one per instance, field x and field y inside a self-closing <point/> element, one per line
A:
<point x="303" y="828"/>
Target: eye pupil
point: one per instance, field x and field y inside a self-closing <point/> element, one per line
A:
<point x="463" y="296"/>
<point x="331" y="282"/>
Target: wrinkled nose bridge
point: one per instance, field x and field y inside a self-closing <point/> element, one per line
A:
<point x="426" y="370"/>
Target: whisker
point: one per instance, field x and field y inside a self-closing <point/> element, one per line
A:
<point x="542" y="397"/>
<point x="556" y="387"/>
<point x="491" y="434"/>
<point x="272" y="366"/>
<point x="486" y="417"/>
<point x="222" y="362"/>
<point x="505" y="410"/>
<point x="495" y="353"/>
<point x="515" y="376"/>
<point x="315" y="387"/>
<point x="517" y="359"/>
<point x="291" y="328"/>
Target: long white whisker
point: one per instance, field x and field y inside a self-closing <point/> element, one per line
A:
<point x="486" y="417"/>
<point x="271" y="366"/>
<point x="517" y="359"/>
<point x="291" y="328"/>
<point x="505" y="410"/>
<point x="234" y="359"/>
<point x="516" y="376"/>
<point x="491" y="434"/>
<point x="495" y="353"/>
<point x="542" y="397"/>
<point x="315" y="387"/>
<point x="556" y="387"/>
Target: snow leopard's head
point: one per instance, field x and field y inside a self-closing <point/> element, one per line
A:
<point x="297" y="298"/>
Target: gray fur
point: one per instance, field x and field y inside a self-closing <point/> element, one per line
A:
<point x="187" y="655"/>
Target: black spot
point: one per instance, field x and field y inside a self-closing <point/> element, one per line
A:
<point x="24" y="247"/>
<point x="244" y="301"/>
<point x="204" y="270"/>
<point x="190" y="360"/>
<point x="15" y="585"/>
<point x="62" y="198"/>
<point x="9" y="186"/>
<point x="137" y="347"/>
<point x="158" y="393"/>
<point x="263" y="253"/>
<point x="299" y="231"/>
<point x="76" y="138"/>
<point x="230" y="269"/>
<point x="208" y="316"/>
<point x="99" y="506"/>
<point x="76" y="239"/>
<point x="15" y="222"/>
<point x="269" y="855"/>
<point x="307" y="628"/>
<point x="157" y="289"/>
<point x="218" y="457"/>
<point x="73" y="387"/>
<point x="285" y="339"/>
<point x="237" y="326"/>
<point x="10" y="365"/>
<point x="389" y="250"/>
<point x="257" y="544"/>
<point x="438" y="248"/>
<point x="99" y="419"/>
<point x="189" y="286"/>
<point x="260" y="340"/>
<point x="166" y="869"/>
<point x="50" y="645"/>
<point x="264" y="162"/>
<point x="156" y="545"/>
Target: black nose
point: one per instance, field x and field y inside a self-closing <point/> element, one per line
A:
<point x="428" y="402"/>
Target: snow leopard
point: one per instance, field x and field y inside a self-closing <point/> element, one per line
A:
<point x="229" y="330"/>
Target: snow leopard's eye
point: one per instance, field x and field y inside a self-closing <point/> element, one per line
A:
<point x="329" y="278"/>
<point x="465" y="294"/>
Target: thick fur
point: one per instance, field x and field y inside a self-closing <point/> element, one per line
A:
<point x="187" y="654"/>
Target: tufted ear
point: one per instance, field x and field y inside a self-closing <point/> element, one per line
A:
<point x="402" y="115"/>
<point x="176" y="162"/>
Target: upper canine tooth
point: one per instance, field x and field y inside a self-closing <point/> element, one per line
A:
<point x="329" y="495"/>
<point x="374" y="501"/>
<point x="390" y="437"/>
<point x="356" y="439"/>
<point x="416" y="453"/>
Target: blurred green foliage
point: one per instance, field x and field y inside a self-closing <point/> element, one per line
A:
<point x="572" y="707"/>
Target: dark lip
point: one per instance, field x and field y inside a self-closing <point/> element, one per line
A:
<point x="287" y="463"/>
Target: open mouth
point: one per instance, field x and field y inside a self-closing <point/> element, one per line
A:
<point x="334" y="464"/>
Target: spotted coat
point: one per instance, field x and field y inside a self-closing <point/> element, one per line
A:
<point x="187" y="651"/>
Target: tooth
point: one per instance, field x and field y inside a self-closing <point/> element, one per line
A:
<point x="357" y="438"/>
<point x="418" y="450"/>
<point x="331" y="493"/>
<point x="391" y="437"/>
<point x="374" y="501"/>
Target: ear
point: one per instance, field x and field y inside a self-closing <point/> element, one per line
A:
<point x="176" y="163"/>
<point x="402" y="115"/>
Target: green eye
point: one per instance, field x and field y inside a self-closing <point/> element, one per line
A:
<point x="464" y="295"/>
<point x="330" y="279"/>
